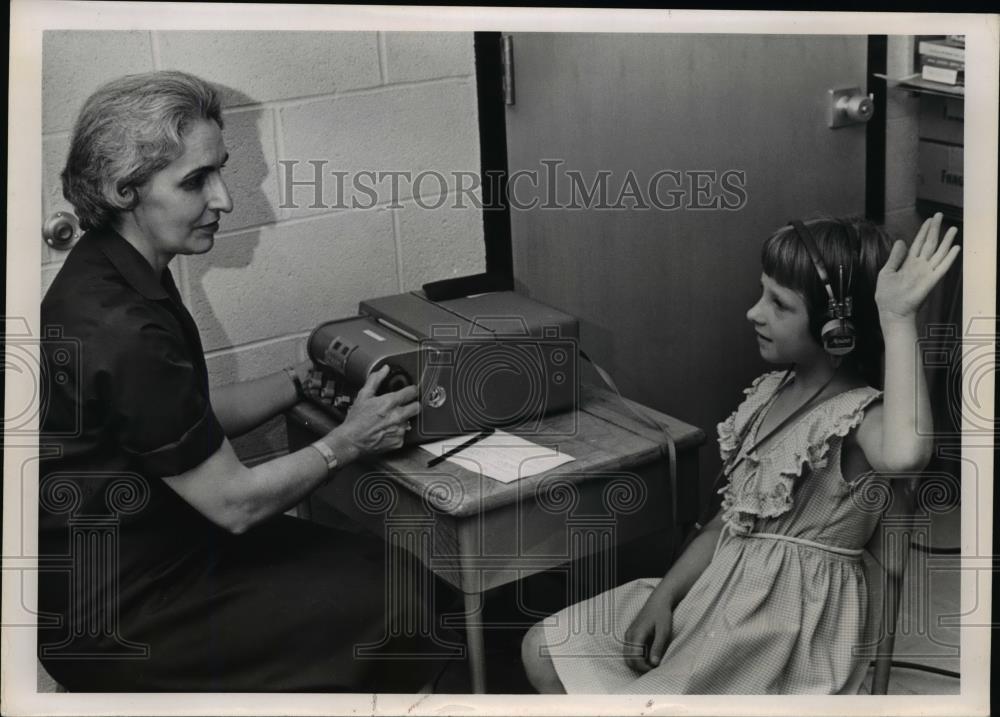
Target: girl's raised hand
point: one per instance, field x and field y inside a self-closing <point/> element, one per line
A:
<point x="908" y="276"/>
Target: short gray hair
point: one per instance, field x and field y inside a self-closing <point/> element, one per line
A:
<point x="128" y="130"/>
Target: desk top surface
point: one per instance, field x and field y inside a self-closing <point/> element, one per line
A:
<point x="606" y="438"/>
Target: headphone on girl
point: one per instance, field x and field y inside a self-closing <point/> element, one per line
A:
<point x="837" y="334"/>
<point x="838" y="339"/>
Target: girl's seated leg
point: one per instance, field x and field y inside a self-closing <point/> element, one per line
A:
<point x="537" y="664"/>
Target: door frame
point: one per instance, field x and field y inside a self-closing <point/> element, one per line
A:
<point x="493" y="155"/>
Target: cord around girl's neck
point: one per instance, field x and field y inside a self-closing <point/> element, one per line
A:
<point x="812" y="375"/>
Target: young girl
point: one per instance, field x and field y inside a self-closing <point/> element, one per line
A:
<point x="771" y="596"/>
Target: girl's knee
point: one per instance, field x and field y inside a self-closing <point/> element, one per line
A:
<point x="531" y="645"/>
<point x="537" y="662"/>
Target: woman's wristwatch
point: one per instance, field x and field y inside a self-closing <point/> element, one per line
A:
<point x="328" y="455"/>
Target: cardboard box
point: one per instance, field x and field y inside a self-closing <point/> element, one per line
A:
<point x="942" y="119"/>
<point x="940" y="170"/>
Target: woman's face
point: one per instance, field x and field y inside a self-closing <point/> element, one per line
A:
<point x="780" y="319"/>
<point x="179" y="206"/>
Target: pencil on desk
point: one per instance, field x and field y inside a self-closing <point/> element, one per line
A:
<point x="461" y="447"/>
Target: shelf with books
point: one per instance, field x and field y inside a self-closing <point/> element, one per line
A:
<point x="940" y="59"/>
<point x="939" y="79"/>
<point x="918" y="85"/>
<point x="938" y="67"/>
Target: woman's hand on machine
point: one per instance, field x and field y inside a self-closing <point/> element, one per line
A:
<point x="375" y="424"/>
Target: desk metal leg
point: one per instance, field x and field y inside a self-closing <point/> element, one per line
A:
<point x="474" y="638"/>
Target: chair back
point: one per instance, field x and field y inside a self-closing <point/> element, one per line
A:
<point x="886" y="557"/>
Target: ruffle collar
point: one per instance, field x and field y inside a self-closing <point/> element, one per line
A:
<point x="761" y="486"/>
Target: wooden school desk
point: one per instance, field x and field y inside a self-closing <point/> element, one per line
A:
<point x="477" y="533"/>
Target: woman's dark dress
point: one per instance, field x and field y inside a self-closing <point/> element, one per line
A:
<point x="148" y="594"/>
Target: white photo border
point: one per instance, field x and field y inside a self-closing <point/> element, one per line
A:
<point x="29" y="18"/>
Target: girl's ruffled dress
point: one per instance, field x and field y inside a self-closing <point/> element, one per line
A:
<point x="783" y="606"/>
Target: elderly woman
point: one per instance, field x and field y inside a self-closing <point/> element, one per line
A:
<point x="187" y="575"/>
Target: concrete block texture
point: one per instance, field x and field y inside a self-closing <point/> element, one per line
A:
<point x="901" y="163"/>
<point x="411" y="56"/>
<point x="77" y="62"/>
<point x="250" y="173"/>
<point x="903" y="223"/>
<point x="900" y="103"/>
<point x="275" y="273"/>
<point x="286" y="279"/>
<point x="54" y="151"/>
<point x="245" y="363"/>
<point x="418" y="130"/>
<point x="900" y="63"/>
<point x="253" y="67"/>
<point x="439" y="243"/>
<point x="900" y="55"/>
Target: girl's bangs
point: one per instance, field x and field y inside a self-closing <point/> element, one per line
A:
<point x="786" y="260"/>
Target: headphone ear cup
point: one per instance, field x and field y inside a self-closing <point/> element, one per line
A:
<point x="838" y="337"/>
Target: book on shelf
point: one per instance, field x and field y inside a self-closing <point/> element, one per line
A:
<point x="939" y="69"/>
<point x="945" y="49"/>
<point x="941" y="62"/>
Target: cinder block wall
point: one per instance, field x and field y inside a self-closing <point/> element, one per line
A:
<point x="901" y="216"/>
<point x="359" y="101"/>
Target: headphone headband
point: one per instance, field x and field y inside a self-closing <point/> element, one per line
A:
<point x="838" y="333"/>
<point x="810" y="244"/>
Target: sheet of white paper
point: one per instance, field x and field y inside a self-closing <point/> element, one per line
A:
<point x="501" y="456"/>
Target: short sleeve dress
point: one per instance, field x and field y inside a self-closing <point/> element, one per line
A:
<point x="138" y="591"/>
<point x="783" y="606"/>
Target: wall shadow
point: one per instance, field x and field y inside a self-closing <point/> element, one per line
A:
<point x="248" y="175"/>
